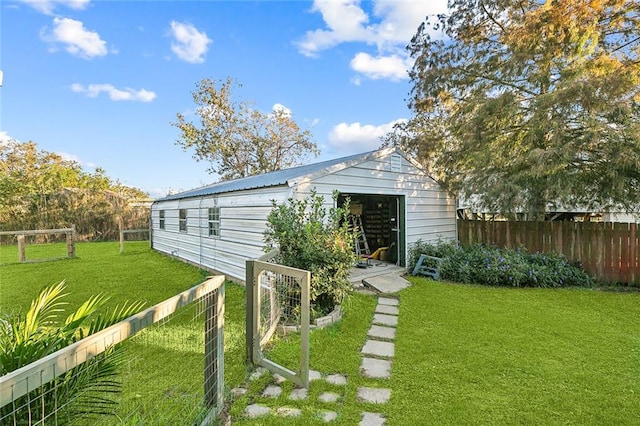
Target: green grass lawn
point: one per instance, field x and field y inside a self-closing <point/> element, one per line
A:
<point x="482" y="355"/>
<point x="137" y="274"/>
<point x="464" y="354"/>
<point x="479" y="355"/>
<point x="161" y="356"/>
<point x="333" y="350"/>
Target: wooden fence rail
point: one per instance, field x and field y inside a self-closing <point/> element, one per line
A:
<point x="607" y="250"/>
<point x="70" y="236"/>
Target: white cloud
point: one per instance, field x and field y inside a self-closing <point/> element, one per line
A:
<point x="346" y="21"/>
<point x="190" y="45"/>
<point x="72" y="157"/>
<point x="389" y="27"/>
<point x="76" y="38"/>
<point x="355" y="137"/>
<point x="282" y="109"/>
<point x="5" y="139"/>
<point x="115" y="94"/>
<point x="400" y="19"/>
<point x="47" y="6"/>
<point x="393" y="67"/>
<point x="69" y="157"/>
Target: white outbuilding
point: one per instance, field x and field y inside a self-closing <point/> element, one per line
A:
<point x="220" y="226"/>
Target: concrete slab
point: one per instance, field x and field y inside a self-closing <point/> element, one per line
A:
<point x="272" y="391"/>
<point x="379" y="268"/>
<point x="258" y="372"/>
<point x="382" y="332"/>
<point x="378" y="348"/>
<point x="386" y="309"/>
<point x="388" y="283"/>
<point x="375" y="368"/>
<point x="298" y="394"/>
<point x="314" y="375"/>
<point x="238" y="391"/>
<point x="384" y="319"/>
<point x="372" y="419"/>
<point x="256" y="410"/>
<point x="388" y="301"/>
<point x="374" y="395"/>
<point x="289" y="412"/>
<point x="328" y="416"/>
<point x="337" y="379"/>
<point x="329" y="397"/>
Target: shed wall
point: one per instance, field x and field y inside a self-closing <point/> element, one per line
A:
<point x="430" y="211"/>
<point x="243" y="218"/>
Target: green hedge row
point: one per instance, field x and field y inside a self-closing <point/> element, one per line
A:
<point x="481" y="264"/>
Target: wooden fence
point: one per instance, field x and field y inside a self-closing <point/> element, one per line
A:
<point x="70" y="236"/>
<point x="607" y="250"/>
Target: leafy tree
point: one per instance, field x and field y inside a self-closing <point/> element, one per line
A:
<point x="527" y="104"/>
<point x="237" y="139"/>
<point x="40" y="189"/>
<point x="39" y="332"/>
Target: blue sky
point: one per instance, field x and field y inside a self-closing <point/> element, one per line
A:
<point x="100" y="81"/>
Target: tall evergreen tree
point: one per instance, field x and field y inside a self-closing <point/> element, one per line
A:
<point x="526" y="105"/>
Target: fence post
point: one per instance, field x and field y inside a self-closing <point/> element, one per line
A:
<point x="214" y="349"/>
<point x="249" y="289"/>
<point x="121" y="232"/>
<point x="21" y="251"/>
<point x="71" y="242"/>
<point x="304" y="329"/>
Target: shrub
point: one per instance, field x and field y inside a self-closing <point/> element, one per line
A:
<point x="503" y="267"/>
<point x="82" y="390"/>
<point x="440" y="249"/>
<point x="311" y="238"/>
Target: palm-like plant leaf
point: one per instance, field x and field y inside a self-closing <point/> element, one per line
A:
<point x="114" y="316"/>
<point x="83" y="390"/>
<point x="43" y="311"/>
<point x="73" y="323"/>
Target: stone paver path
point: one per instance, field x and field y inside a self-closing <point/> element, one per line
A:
<point x="378" y="352"/>
<point x="385" y="319"/>
<point x="377" y="360"/>
<point x="375" y="368"/>
<point x="382" y="332"/>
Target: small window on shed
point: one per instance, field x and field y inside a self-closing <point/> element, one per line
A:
<point x="182" y="220"/>
<point x="161" y="221"/>
<point x="214" y="222"/>
<point x="396" y="163"/>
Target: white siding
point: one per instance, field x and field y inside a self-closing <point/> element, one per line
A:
<point x="621" y="217"/>
<point x="430" y="212"/>
<point x="243" y="218"/>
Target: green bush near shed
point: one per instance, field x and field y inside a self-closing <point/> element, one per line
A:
<point x="494" y="266"/>
<point x="315" y="239"/>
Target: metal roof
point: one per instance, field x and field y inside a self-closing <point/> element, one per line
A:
<point x="280" y="177"/>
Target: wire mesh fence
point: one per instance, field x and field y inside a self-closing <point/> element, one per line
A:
<point x="279" y="301"/>
<point x="37" y="245"/>
<point x="163" y="366"/>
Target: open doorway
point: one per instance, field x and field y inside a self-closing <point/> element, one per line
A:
<point x="382" y="223"/>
